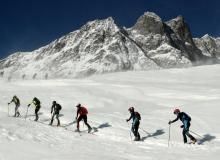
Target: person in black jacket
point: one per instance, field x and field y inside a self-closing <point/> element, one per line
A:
<point x="55" y="111"/>
<point x="186" y="124"/>
<point x="16" y="101"/>
<point x="37" y="105"/>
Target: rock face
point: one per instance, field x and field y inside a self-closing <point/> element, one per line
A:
<point x="149" y="23"/>
<point x="101" y="46"/>
<point x="208" y="45"/>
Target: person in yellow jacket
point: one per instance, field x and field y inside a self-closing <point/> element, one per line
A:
<point x="16" y="101"/>
<point x="37" y="105"/>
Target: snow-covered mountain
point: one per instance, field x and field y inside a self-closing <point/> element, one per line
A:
<point x="101" y="46"/>
<point x="209" y="45"/>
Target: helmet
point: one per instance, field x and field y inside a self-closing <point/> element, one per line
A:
<point x="131" y="109"/>
<point x="78" y="105"/>
<point x="176" y="111"/>
<point x="54" y="102"/>
<point x="14" y="96"/>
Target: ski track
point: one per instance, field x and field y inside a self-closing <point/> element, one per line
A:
<point x="107" y="97"/>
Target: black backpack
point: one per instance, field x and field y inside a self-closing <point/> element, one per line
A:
<point x="36" y="101"/>
<point x="138" y="116"/>
<point x="186" y="116"/>
<point x="59" y="107"/>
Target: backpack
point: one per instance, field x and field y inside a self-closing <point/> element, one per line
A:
<point x="37" y="102"/>
<point x="59" y="107"/>
<point x="138" y="116"/>
<point x="83" y="111"/>
<point x="186" y="117"/>
<point x="16" y="101"/>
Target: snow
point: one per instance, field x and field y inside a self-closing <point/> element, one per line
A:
<point x="169" y="55"/>
<point x="153" y="93"/>
<point x="153" y="15"/>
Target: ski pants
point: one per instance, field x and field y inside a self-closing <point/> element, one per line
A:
<point x="84" y="118"/>
<point x="186" y="125"/>
<point x="135" y="127"/>
<point x="36" y="113"/>
<point x="17" y="113"/>
<point x="57" y="117"/>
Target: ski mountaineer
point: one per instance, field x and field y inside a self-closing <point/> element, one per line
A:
<point x="186" y="124"/>
<point x="37" y="105"/>
<point x="82" y="115"/>
<point x="135" y="116"/>
<point x="55" y="111"/>
<point x="17" y="105"/>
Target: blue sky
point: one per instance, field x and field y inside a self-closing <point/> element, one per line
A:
<point x="26" y="25"/>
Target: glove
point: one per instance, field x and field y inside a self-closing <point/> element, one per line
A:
<point x="51" y="112"/>
<point x="127" y="120"/>
<point x="29" y="105"/>
<point x="8" y="103"/>
<point x="169" y="122"/>
<point x="182" y="126"/>
<point x="76" y="118"/>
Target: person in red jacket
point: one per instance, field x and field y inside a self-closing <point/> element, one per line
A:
<point x="82" y="115"/>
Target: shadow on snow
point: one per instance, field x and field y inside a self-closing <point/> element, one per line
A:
<point x="206" y="138"/>
<point x="154" y="135"/>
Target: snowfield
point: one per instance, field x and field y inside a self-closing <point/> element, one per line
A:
<point x="154" y="94"/>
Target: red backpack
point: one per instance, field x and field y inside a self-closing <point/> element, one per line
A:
<point x="83" y="111"/>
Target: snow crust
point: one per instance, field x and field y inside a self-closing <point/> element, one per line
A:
<point x="154" y="94"/>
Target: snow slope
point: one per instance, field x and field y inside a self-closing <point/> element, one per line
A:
<point x="153" y="93"/>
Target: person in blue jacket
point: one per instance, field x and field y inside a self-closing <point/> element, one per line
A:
<point x="186" y="124"/>
<point x="135" y="116"/>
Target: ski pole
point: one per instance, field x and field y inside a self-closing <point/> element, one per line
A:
<point x="26" y="114"/>
<point x="130" y="132"/>
<point x="169" y="136"/>
<point x="149" y="134"/>
<point x="145" y="131"/>
<point x="196" y="134"/>
<point x="8" y="110"/>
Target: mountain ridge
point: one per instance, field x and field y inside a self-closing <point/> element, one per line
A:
<point x="101" y="46"/>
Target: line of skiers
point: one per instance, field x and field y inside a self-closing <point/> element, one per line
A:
<point x="82" y="113"/>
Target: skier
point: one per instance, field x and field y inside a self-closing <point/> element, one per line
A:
<point x="17" y="105"/>
<point x="37" y="105"/>
<point x="135" y="116"/>
<point x="55" y="111"/>
<point x="82" y="115"/>
<point x="186" y="124"/>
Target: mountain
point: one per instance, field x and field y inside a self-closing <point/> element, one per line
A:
<point x="209" y="45"/>
<point x="101" y="46"/>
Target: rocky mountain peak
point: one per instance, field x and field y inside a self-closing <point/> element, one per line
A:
<point x="105" y="24"/>
<point x="206" y="36"/>
<point x="149" y="23"/>
<point x="181" y="29"/>
<point x="152" y="15"/>
<point x="101" y="46"/>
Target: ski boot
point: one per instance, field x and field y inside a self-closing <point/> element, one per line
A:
<point x="137" y="138"/>
<point x="89" y="129"/>
<point x="77" y="130"/>
<point x="193" y="141"/>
